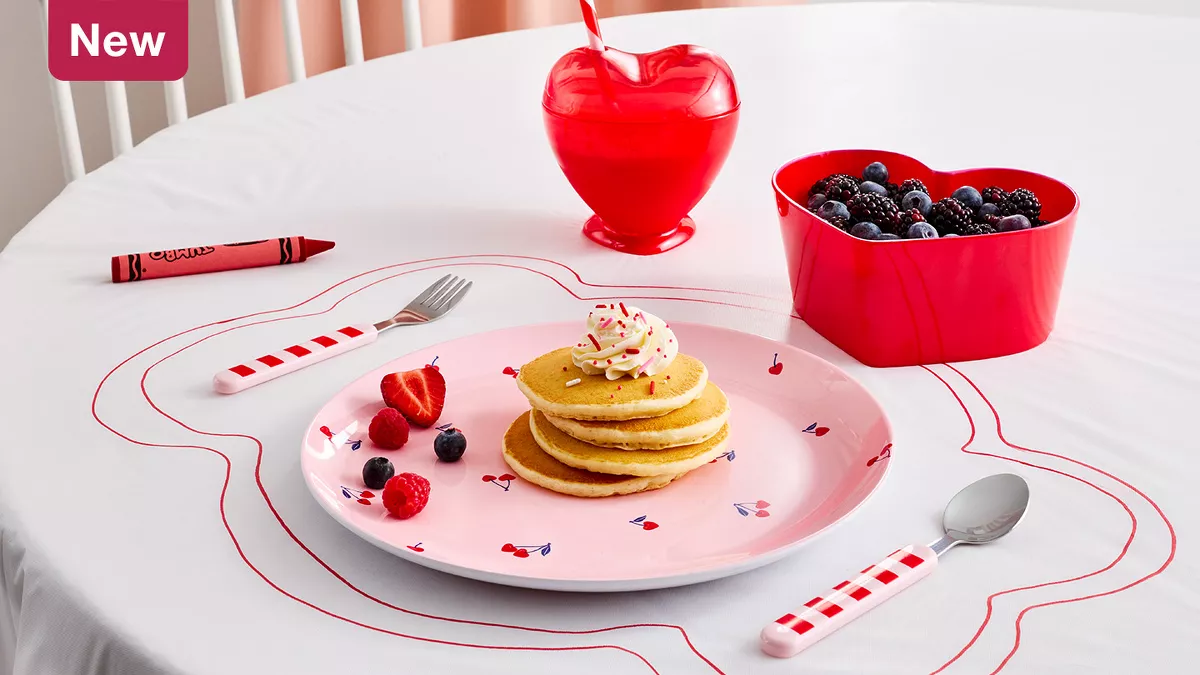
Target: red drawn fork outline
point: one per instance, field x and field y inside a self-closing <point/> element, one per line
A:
<point x="578" y="278"/>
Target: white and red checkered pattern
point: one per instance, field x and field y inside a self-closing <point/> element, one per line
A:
<point x="792" y="633"/>
<point x="264" y="368"/>
<point x="591" y="19"/>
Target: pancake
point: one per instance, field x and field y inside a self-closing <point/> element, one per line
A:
<point x="575" y="453"/>
<point x="543" y="381"/>
<point x="527" y="459"/>
<point x="695" y="422"/>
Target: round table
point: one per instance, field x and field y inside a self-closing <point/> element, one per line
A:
<point x="148" y="525"/>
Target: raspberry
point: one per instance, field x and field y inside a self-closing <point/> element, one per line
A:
<point x="389" y="429"/>
<point x="405" y="495"/>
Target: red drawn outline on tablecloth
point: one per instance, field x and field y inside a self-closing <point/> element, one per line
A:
<point x="266" y="497"/>
<point x="577" y="296"/>
<point x="1124" y="550"/>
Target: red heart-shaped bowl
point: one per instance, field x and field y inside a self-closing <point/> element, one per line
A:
<point x="920" y="301"/>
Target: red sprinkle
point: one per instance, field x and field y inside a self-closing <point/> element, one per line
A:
<point x="670" y="340"/>
<point x="651" y="387"/>
<point x="668" y="377"/>
<point x="564" y="369"/>
<point x="594" y="340"/>
<point x="611" y="307"/>
<point x="610" y="361"/>
<point x="633" y="350"/>
<point x="660" y="349"/>
<point x="621" y="323"/>
<point x="594" y="362"/>
<point x="618" y="387"/>
<point x="599" y="306"/>
<point x="622" y="335"/>
<point x="623" y="310"/>
<point x="610" y="395"/>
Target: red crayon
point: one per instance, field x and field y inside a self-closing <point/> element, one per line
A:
<point x="203" y="259"/>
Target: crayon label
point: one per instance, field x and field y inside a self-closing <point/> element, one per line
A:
<point x="181" y="253"/>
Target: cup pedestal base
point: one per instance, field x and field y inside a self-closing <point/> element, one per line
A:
<point x="597" y="231"/>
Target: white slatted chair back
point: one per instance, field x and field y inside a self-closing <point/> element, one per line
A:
<point x="119" y="127"/>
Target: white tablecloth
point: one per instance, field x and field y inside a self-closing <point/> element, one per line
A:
<point x="146" y="546"/>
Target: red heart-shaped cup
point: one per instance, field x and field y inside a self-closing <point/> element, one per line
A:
<point x="641" y="137"/>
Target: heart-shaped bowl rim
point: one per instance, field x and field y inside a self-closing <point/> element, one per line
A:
<point x="884" y="155"/>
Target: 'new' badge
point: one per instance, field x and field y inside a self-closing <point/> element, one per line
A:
<point x="128" y="40"/>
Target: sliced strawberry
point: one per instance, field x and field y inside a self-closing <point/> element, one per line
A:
<point x="419" y="394"/>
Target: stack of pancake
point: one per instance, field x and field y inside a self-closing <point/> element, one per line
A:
<point x="600" y="437"/>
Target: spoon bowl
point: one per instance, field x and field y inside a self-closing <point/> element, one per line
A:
<point x="984" y="511"/>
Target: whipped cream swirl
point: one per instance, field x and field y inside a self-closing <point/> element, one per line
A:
<point x="623" y="340"/>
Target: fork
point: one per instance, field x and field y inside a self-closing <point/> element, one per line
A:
<point x="432" y="304"/>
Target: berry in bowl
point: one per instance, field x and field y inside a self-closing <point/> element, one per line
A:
<point x="898" y="264"/>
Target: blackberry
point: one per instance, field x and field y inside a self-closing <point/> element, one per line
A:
<point x="949" y="216"/>
<point x="993" y="195"/>
<point x="910" y="185"/>
<point x="1024" y="202"/>
<point x="840" y="223"/>
<point x="873" y="208"/>
<point x="907" y="218"/>
<point x="819" y="186"/>
<point x="841" y="188"/>
<point x="893" y="192"/>
<point x="978" y="228"/>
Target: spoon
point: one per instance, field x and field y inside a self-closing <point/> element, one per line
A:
<point x="980" y="513"/>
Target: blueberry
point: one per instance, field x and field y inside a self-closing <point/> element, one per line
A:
<point x="833" y="209"/>
<point x="865" y="230"/>
<point x="969" y="197"/>
<point x="921" y="231"/>
<point x="989" y="210"/>
<point x="1013" y="223"/>
<point x="875" y="172"/>
<point x="917" y="200"/>
<point x="886" y="236"/>
<point x="377" y="471"/>
<point x="871" y="186"/>
<point x="816" y="200"/>
<point x="450" y="445"/>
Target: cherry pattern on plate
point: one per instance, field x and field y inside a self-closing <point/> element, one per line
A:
<point x="360" y="496"/>
<point x="417" y="547"/>
<point x="641" y="522"/>
<point x="728" y="456"/>
<point x="354" y="445"/>
<point x="816" y="430"/>
<point x="509" y="370"/>
<point x="883" y="454"/>
<point x="776" y="365"/>
<point x="433" y="364"/>
<point x="758" y="508"/>
<point x="526" y="551"/>
<point x="503" y="481"/>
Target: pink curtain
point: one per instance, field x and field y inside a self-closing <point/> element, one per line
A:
<point x="260" y="27"/>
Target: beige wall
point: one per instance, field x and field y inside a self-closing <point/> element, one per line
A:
<point x="30" y="169"/>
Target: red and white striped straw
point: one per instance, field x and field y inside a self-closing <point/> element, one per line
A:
<point x="592" y="21"/>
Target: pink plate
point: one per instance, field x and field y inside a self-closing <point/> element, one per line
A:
<point x="808" y="446"/>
